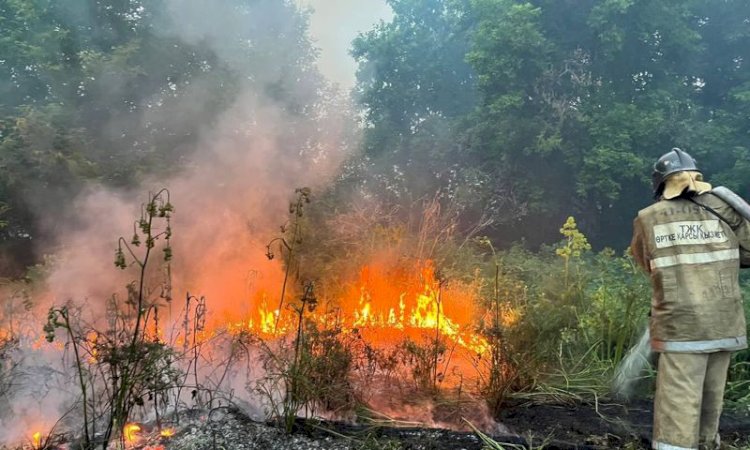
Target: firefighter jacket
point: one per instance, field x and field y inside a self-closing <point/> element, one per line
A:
<point x="691" y="248"/>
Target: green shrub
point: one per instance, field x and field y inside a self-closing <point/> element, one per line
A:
<point x="578" y="313"/>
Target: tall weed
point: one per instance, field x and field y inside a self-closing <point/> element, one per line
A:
<point x="123" y="366"/>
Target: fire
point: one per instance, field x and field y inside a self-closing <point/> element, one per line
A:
<point x="386" y="303"/>
<point x="131" y="432"/>
<point x="393" y="302"/>
<point x="36" y="439"/>
<point x="401" y="300"/>
<point x="167" y="432"/>
<point x="92" y="338"/>
<point x="268" y="318"/>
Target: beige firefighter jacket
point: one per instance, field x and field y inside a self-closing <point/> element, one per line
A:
<point x="693" y="258"/>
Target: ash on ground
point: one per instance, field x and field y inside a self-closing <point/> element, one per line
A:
<point x="228" y="428"/>
<point x="561" y="427"/>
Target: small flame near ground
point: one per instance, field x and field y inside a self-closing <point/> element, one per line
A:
<point x="131" y="432"/>
<point x="167" y="432"/>
<point x="36" y="439"/>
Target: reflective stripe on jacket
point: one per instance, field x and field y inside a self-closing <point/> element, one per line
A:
<point x="693" y="259"/>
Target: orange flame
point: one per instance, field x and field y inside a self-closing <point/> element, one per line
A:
<point x="388" y="303"/>
<point x="167" y="432"/>
<point x="36" y="439"/>
<point x="394" y="301"/>
<point x="267" y="321"/>
<point x="92" y="337"/>
<point x="131" y="432"/>
<point x="399" y="299"/>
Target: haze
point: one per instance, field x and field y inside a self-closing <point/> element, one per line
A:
<point x="333" y="25"/>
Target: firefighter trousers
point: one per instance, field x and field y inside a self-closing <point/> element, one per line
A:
<point x="689" y="398"/>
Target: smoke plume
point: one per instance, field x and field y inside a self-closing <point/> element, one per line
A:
<point x="231" y="185"/>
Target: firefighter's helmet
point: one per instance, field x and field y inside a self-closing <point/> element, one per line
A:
<point x="670" y="163"/>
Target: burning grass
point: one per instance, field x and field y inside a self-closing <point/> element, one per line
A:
<point x="321" y="351"/>
<point x="377" y="337"/>
<point x="386" y="306"/>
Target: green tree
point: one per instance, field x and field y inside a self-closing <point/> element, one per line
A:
<point x="418" y="94"/>
<point x="576" y="99"/>
<point x="413" y="69"/>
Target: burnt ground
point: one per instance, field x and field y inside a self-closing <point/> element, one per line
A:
<point x="604" y="425"/>
<point x="579" y="425"/>
<point x="532" y="426"/>
<point x="610" y="425"/>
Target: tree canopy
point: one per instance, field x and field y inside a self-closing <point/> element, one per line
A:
<point x="519" y="113"/>
<point x="565" y="103"/>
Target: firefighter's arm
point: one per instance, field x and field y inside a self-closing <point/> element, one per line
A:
<point x="743" y="236"/>
<point x="638" y="246"/>
<point x="741" y="228"/>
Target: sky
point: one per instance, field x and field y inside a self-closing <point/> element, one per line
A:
<point x="333" y="26"/>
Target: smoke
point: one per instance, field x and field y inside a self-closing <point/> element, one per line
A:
<point x="233" y="190"/>
<point x="282" y="128"/>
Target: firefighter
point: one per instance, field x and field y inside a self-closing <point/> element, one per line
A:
<point x="689" y="242"/>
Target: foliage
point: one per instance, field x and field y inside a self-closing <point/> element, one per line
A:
<point x="418" y="93"/>
<point x="7" y="365"/>
<point x="567" y="103"/>
<point x="411" y="68"/>
<point x="120" y="367"/>
<point x="739" y="372"/>
<point x="423" y="362"/>
<point x="293" y="229"/>
<point x="504" y="303"/>
<point x="314" y="372"/>
<point x="555" y="333"/>
<point x="308" y="376"/>
<point x="575" y="243"/>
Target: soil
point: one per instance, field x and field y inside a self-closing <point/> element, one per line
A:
<point x="580" y="425"/>
<point x="605" y="425"/>
<point x="585" y="425"/>
<point x="572" y="426"/>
